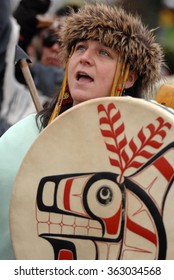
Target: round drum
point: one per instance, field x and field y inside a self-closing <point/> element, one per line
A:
<point x="97" y="184"/>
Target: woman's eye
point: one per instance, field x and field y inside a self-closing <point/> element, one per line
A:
<point x="104" y="53"/>
<point x="80" y="48"/>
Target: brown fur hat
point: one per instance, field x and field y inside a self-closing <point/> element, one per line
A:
<point x="122" y="31"/>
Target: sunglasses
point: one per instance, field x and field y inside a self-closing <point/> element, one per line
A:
<point x="50" y="40"/>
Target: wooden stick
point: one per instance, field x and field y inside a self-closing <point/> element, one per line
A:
<point x="29" y="80"/>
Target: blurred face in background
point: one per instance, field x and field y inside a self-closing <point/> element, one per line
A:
<point x="50" y="50"/>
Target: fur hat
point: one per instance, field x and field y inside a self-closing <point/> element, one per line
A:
<point x="122" y="31"/>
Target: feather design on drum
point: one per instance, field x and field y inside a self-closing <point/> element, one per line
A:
<point x="134" y="154"/>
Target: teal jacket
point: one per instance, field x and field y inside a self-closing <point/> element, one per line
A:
<point x="22" y="135"/>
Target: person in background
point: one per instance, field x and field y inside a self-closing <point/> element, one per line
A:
<point x="16" y="101"/>
<point x="48" y="71"/>
<point x="46" y="68"/>
<point x="108" y="52"/>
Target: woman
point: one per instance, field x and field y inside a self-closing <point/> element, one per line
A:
<point x="107" y="52"/>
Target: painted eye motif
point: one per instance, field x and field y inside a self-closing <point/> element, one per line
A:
<point x="104" y="198"/>
<point x="104" y="195"/>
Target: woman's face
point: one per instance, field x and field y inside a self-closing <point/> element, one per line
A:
<point x="49" y="55"/>
<point x="91" y="71"/>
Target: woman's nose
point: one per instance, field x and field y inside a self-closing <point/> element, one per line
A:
<point x="87" y="57"/>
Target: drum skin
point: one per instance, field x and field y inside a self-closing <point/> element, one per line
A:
<point x="97" y="184"/>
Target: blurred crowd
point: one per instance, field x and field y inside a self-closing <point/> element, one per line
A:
<point x="36" y="31"/>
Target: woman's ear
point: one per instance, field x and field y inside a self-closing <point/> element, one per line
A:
<point x="131" y="79"/>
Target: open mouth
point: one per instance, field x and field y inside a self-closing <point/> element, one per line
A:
<point x="83" y="77"/>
